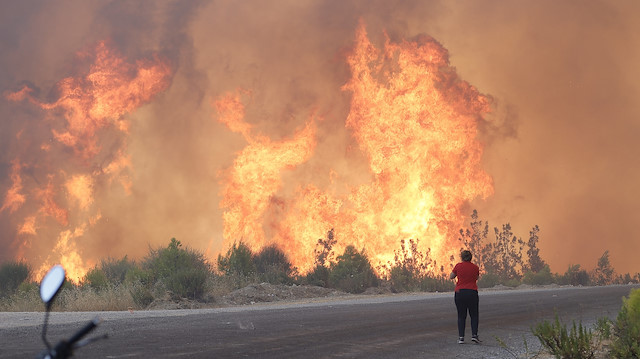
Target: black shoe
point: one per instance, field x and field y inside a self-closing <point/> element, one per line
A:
<point x="475" y="339"/>
<point x="461" y="340"/>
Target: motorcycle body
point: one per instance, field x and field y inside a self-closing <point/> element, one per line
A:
<point x="49" y="288"/>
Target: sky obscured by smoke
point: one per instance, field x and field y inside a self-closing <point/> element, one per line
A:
<point x="561" y="144"/>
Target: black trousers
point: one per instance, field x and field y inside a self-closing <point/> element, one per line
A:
<point x="467" y="301"/>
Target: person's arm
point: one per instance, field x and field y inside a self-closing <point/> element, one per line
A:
<point x="453" y="272"/>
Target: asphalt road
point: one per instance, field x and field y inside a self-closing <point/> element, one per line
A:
<point x="393" y="326"/>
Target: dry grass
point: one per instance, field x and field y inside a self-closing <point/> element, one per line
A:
<point x="87" y="299"/>
<point x="23" y="301"/>
<point x="80" y="299"/>
<point x="112" y="298"/>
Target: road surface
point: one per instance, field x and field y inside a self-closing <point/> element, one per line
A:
<point x="419" y="325"/>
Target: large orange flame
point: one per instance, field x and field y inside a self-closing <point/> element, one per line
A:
<point x="14" y="198"/>
<point x="255" y="178"/>
<point x="415" y="121"/>
<point x="90" y="105"/>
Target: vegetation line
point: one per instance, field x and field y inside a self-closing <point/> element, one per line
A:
<point x="182" y="275"/>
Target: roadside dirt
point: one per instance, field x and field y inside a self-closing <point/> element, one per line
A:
<point x="265" y="292"/>
<point x="270" y="293"/>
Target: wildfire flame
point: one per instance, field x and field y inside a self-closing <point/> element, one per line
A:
<point x="415" y="121"/>
<point x="255" y="177"/>
<point x="411" y="117"/>
<point x="92" y="106"/>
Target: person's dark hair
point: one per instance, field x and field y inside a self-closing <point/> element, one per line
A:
<point x="466" y="256"/>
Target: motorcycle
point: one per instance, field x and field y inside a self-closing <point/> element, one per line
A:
<point x="49" y="289"/>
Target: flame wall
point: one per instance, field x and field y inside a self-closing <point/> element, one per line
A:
<point x="127" y="123"/>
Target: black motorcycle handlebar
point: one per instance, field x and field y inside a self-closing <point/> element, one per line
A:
<point x="64" y="349"/>
<point x="84" y="331"/>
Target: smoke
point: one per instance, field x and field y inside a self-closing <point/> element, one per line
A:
<point x="566" y="71"/>
<point x="560" y="143"/>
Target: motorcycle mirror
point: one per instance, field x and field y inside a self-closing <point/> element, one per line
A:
<point x="51" y="284"/>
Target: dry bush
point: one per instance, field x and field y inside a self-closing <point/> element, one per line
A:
<point x="219" y="286"/>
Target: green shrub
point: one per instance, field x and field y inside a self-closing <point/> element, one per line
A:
<point x="413" y="270"/>
<point x="141" y="294"/>
<point x="138" y="275"/>
<point x="25" y="299"/>
<point x="116" y="270"/>
<point x="626" y="330"/>
<point x="140" y="283"/>
<point x="542" y="277"/>
<point x="410" y="267"/>
<point x="27" y="286"/>
<point x="603" y="327"/>
<point x="513" y="282"/>
<point x="576" y="343"/>
<point x="352" y="272"/>
<point x="273" y="266"/>
<point x="402" y="280"/>
<point x="488" y="280"/>
<point x="187" y="282"/>
<point x="437" y="284"/>
<point x="318" y="276"/>
<point x="12" y="274"/>
<point x="183" y="271"/>
<point x="574" y="276"/>
<point x="237" y="261"/>
<point x="96" y="279"/>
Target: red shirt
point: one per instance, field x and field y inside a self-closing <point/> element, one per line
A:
<point x="467" y="274"/>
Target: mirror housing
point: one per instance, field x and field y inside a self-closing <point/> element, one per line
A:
<point x="51" y="284"/>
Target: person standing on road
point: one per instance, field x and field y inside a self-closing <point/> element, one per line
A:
<point x="466" y="295"/>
